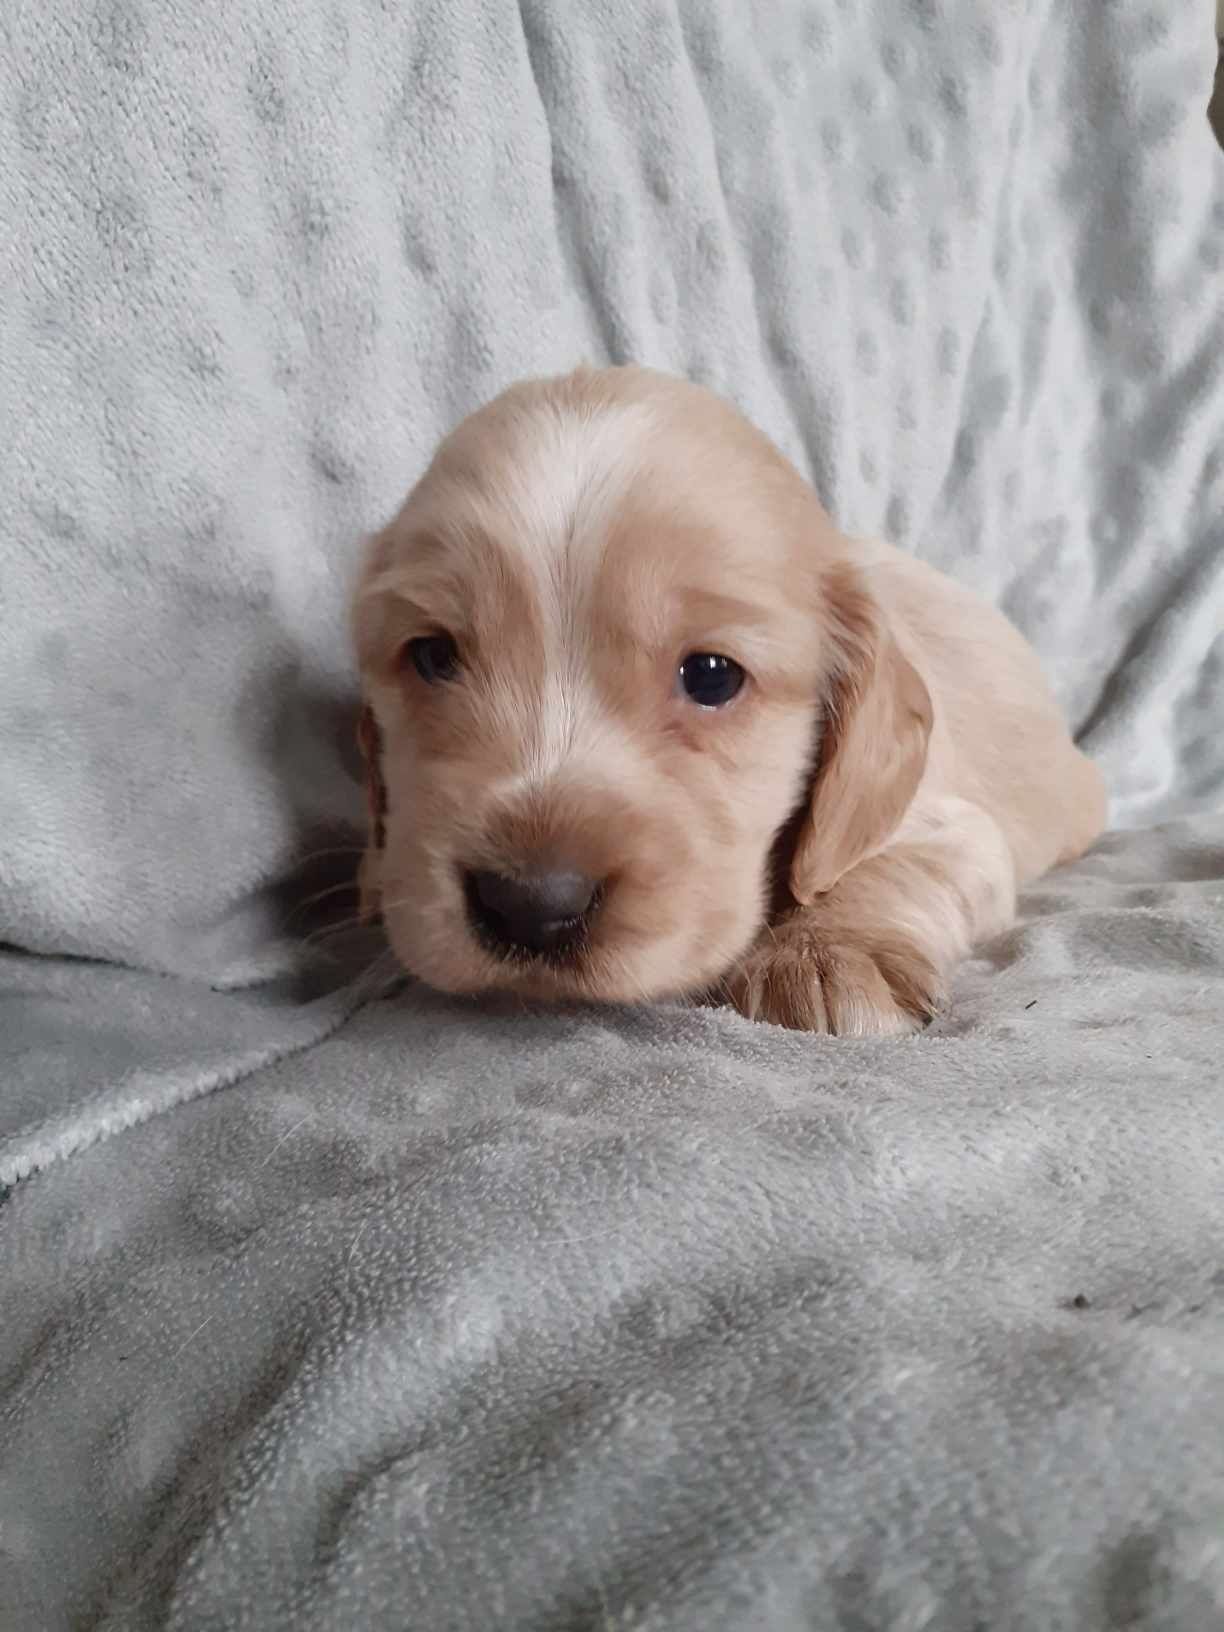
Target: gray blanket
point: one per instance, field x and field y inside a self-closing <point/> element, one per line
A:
<point x="477" y="1319"/>
<point x="442" y="1316"/>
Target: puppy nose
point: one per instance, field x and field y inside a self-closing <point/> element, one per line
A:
<point x="537" y="912"/>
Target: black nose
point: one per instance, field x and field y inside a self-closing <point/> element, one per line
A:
<point x="537" y="912"/>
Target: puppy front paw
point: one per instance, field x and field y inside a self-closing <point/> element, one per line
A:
<point x="806" y="980"/>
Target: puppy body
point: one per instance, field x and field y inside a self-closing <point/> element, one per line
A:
<point x="1003" y="796"/>
<point x="821" y="850"/>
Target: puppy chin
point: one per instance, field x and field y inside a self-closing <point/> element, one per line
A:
<point x="442" y="955"/>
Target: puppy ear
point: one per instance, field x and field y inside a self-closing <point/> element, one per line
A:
<point x="873" y="751"/>
<point x="369" y="740"/>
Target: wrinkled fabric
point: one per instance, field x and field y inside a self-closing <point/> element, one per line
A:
<point x="476" y="1317"/>
<point x="325" y="1309"/>
<point x="963" y="262"/>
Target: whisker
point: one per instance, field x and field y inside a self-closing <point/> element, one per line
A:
<point x="328" y="932"/>
<point x="330" y="850"/>
<point x="342" y="926"/>
<point x="394" y="906"/>
<point x="376" y="980"/>
<point x="378" y="974"/>
<point x="349" y="886"/>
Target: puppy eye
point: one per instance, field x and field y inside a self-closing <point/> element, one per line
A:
<point x="710" y="679"/>
<point x="434" y="657"/>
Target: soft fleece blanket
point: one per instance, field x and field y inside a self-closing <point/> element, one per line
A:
<point x="444" y="1316"/>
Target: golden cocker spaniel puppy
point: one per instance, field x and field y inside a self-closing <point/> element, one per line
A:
<point x="640" y="722"/>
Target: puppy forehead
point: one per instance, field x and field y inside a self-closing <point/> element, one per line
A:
<point x="507" y="528"/>
<point x="567" y="518"/>
<point x="537" y="482"/>
<point x="618" y="497"/>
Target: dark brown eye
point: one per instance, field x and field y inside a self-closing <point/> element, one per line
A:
<point x="434" y="657"/>
<point x="710" y="679"/>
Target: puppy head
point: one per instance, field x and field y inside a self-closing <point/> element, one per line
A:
<point x="603" y="646"/>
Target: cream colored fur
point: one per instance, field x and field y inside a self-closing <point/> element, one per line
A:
<point x="823" y="850"/>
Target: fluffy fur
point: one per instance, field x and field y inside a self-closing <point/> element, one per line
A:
<point x="821" y="851"/>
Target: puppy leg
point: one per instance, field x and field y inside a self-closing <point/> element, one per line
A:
<point x="872" y="956"/>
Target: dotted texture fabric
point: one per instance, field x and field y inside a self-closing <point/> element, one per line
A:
<point x="963" y="261"/>
<point x="499" y="1322"/>
<point x="451" y="1318"/>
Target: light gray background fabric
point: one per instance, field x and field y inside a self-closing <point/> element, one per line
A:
<point x="963" y="261"/>
<point x="473" y="1319"/>
<point x="452" y="1316"/>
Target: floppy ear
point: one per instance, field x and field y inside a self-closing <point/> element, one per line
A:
<point x="873" y="751"/>
<point x="369" y="740"/>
